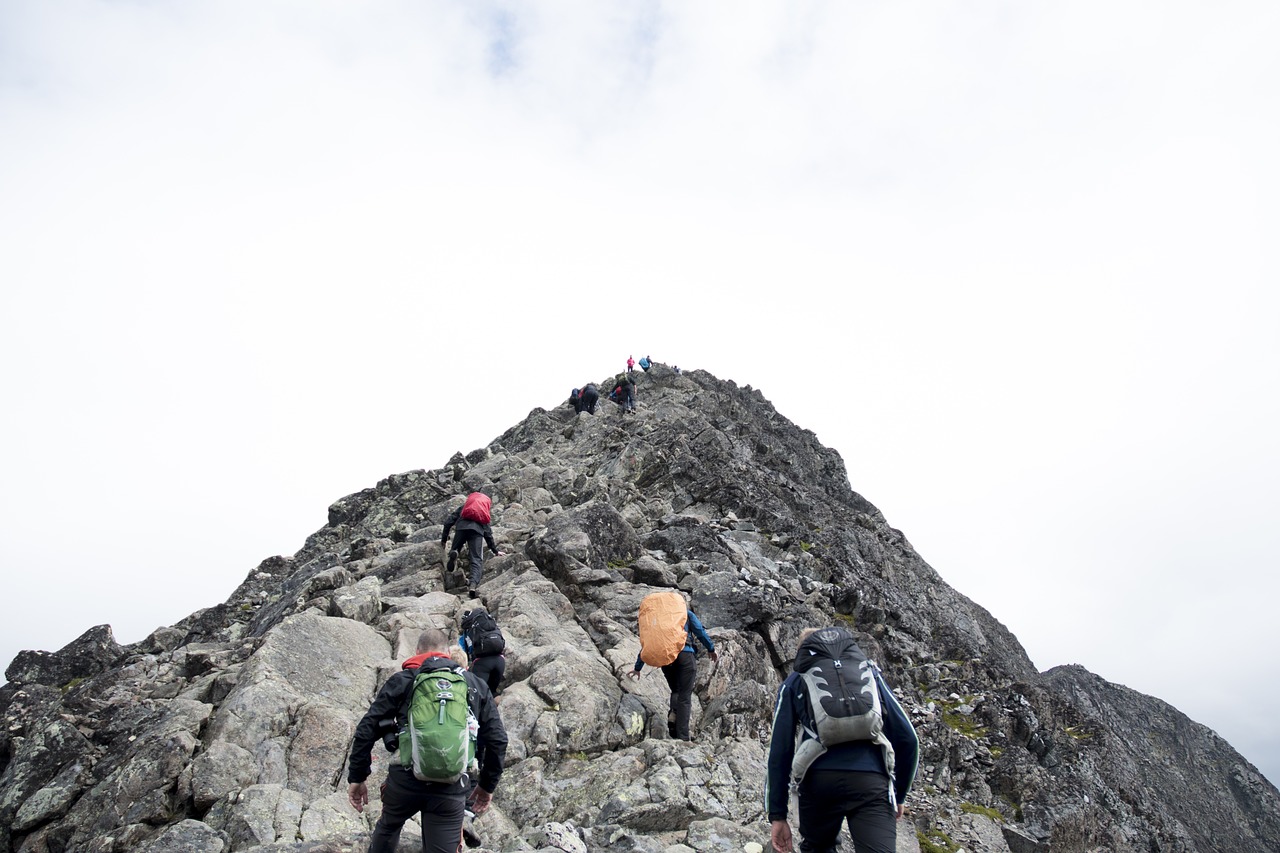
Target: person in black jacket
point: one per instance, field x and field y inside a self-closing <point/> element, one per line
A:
<point x="473" y="534"/>
<point x="587" y="398"/>
<point x="443" y="805"/>
<point x="488" y="663"/>
<point x="849" y="781"/>
<point x="624" y="393"/>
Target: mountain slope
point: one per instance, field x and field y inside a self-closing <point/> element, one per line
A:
<point x="229" y="731"/>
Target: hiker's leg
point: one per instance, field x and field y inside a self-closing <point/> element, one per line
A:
<point x="684" y="671"/>
<point x="872" y="822"/>
<point x="821" y="810"/>
<point x="399" y="803"/>
<point x="442" y="816"/>
<point x="490" y="669"/>
<point x="476" y="544"/>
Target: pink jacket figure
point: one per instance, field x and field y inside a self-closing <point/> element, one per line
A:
<point x="631" y="363"/>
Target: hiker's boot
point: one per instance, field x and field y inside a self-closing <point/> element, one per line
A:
<point x="453" y="560"/>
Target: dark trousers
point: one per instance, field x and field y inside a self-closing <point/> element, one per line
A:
<point x="490" y="668"/>
<point x="680" y="675"/>
<point x="473" y="540"/>
<point x="587" y="402"/>
<point x="442" y="806"/>
<point x="828" y="798"/>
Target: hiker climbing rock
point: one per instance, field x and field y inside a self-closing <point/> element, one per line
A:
<point x="484" y="644"/>
<point x="624" y="393"/>
<point x="841" y="738"/>
<point x="667" y="632"/>
<point x="473" y="531"/>
<point x="428" y="708"/>
<point x="584" y="399"/>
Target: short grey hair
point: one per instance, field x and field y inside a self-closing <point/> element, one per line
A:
<point x="433" y="640"/>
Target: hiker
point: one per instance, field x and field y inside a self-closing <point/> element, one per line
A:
<point x="443" y="804"/>
<point x="473" y="530"/>
<point x="624" y="393"/>
<point x="682" y="671"/>
<point x="587" y="398"/>
<point x="484" y="644"/>
<point x="575" y="400"/>
<point x="852" y="759"/>
<point x="676" y="370"/>
<point x="631" y="364"/>
<point x="645" y="363"/>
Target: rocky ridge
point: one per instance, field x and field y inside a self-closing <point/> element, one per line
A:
<point x="229" y="731"/>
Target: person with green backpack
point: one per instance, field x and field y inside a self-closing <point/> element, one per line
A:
<point x="435" y="718"/>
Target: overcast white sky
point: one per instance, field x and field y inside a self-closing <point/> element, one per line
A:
<point x="1017" y="262"/>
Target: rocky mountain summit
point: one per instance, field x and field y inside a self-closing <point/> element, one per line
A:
<point x="229" y="731"/>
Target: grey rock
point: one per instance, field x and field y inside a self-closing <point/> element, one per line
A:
<point x="221" y="769"/>
<point x="89" y="654"/>
<point x="187" y="836"/>
<point x="361" y="601"/>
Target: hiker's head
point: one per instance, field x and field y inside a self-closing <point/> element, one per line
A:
<point x="433" y="640"/>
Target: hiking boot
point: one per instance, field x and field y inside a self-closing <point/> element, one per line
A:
<point x="453" y="560"/>
<point x="471" y="593"/>
<point x="469" y="836"/>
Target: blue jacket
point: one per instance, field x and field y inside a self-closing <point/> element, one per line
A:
<point x="693" y="628"/>
<point x="792" y="711"/>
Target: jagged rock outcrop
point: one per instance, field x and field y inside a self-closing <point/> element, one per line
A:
<point x="229" y="731"/>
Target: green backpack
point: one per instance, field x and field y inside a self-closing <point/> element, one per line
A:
<point x="437" y="742"/>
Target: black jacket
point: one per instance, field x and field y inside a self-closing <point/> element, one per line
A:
<point x="392" y="703"/>
<point x="455" y="517"/>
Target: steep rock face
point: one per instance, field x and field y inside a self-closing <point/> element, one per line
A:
<point x="229" y="731"/>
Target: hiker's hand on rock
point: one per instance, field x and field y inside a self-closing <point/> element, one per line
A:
<point x="358" y="794"/>
<point x="714" y="657"/>
<point x="481" y="803"/>
<point x="634" y="673"/>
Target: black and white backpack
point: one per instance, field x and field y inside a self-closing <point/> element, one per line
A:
<point x="839" y="682"/>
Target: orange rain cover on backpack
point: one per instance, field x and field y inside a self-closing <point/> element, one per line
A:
<point x="662" y="627"/>
<point x="476" y="507"/>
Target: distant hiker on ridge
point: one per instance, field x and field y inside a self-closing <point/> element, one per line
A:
<point x="584" y="399"/>
<point x="472" y="519"/>
<point x="645" y="363"/>
<point x="624" y="393"/>
<point x="631" y="364"/>
<point x="667" y="631"/>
